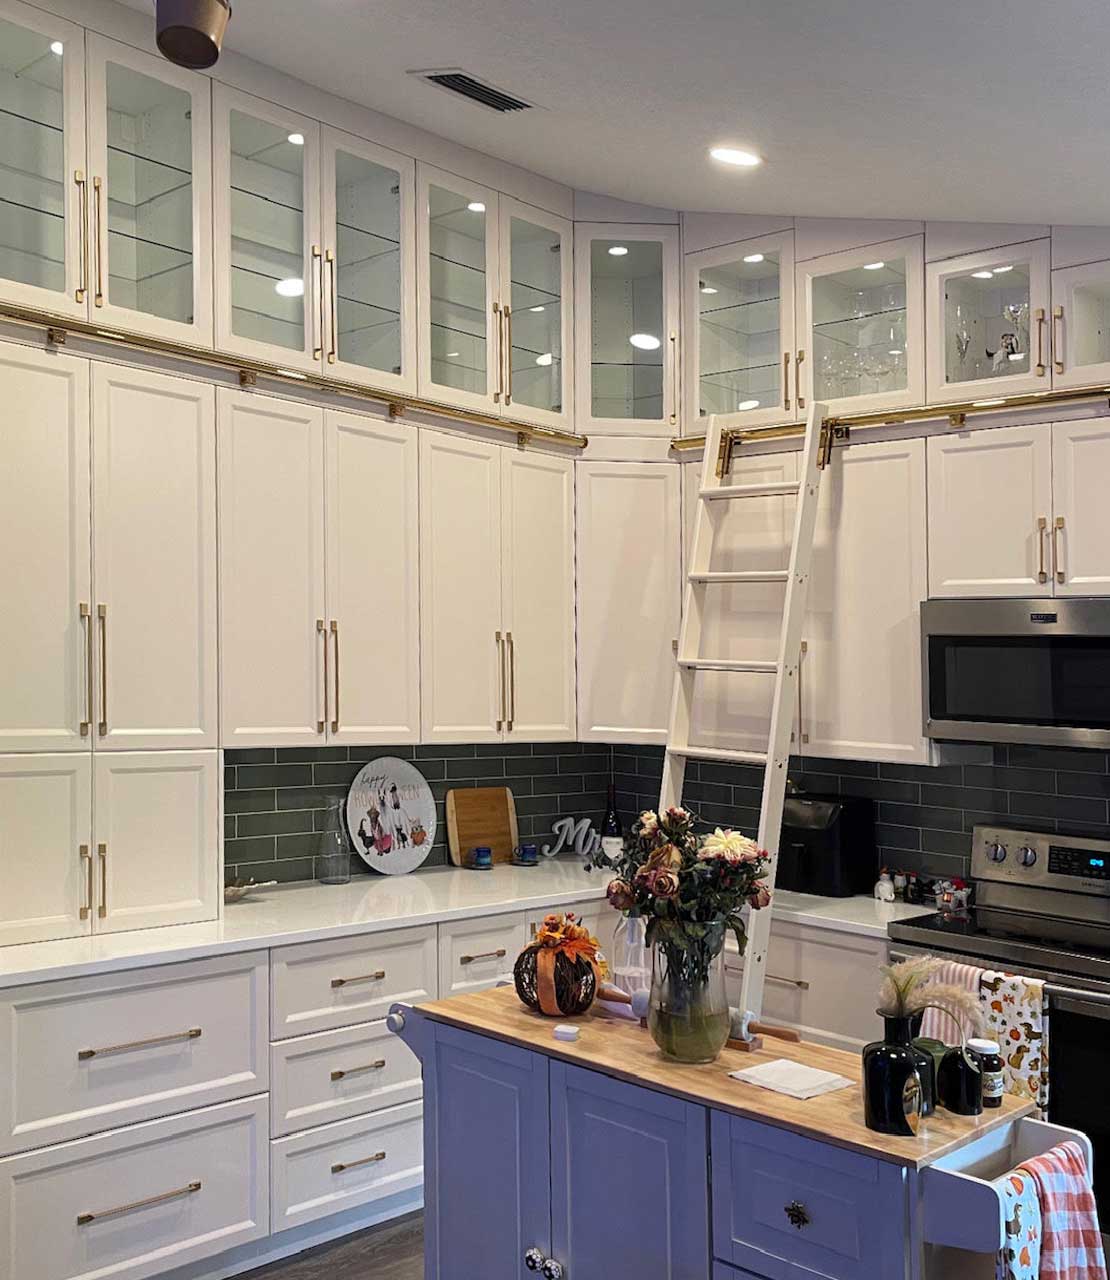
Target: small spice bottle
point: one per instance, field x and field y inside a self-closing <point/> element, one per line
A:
<point x="990" y="1064"/>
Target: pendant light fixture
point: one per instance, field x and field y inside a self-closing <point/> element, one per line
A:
<point x="190" y="32"/>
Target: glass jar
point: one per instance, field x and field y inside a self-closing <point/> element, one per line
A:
<point x="333" y="852"/>
<point x="688" y="1013"/>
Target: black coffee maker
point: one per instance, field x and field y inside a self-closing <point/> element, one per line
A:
<point x="827" y="846"/>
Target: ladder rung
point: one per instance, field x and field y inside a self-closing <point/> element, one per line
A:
<point x="748" y="575"/>
<point x="720" y="493"/>
<point x="728" y="664"/>
<point x="720" y="753"/>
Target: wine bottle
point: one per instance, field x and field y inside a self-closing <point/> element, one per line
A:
<point x="612" y="833"/>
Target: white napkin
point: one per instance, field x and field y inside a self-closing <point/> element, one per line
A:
<point x="794" y="1079"/>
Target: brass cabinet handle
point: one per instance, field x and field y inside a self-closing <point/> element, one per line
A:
<point x="335" y="642"/>
<point x="190" y="1188"/>
<point x="1042" y="533"/>
<point x="333" y="340"/>
<point x="799" y="399"/>
<point x="90" y="671"/>
<point x="507" y="312"/>
<point x="786" y="379"/>
<point x="1038" y="315"/>
<point x="317" y="301"/>
<point x="674" y="378"/>
<point x="800" y="983"/>
<point x="98" y="297"/>
<point x="152" y="1042"/>
<point x="83" y="276"/>
<point x="86" y="906"/>
<point x="499" y="954"/>
<point x="376" y="1158"/>
<point x="351" y="1071"/>
<point x="797" y="1214"/>
<point x="321" y="725"/>
<point x="1057" y="558"/>
<point x="377" y="976"/>
<point x="500" y="675"/>
<point x="1058" y="338"/>
<point x="512" y="681"/>
<point x="102" y="614"/>
<point x="500" y="356"/>
<point x="102" y="908"/>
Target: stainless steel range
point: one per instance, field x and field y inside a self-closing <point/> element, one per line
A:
<point x="1042" y="908"/>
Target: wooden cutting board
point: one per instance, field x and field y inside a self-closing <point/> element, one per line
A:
<point x="481" y="816"/>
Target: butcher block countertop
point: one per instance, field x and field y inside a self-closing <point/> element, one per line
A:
<point x="623" y="1049"/>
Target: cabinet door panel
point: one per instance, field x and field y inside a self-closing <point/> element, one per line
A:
<point x="157" y="831"/>
<point x="271" y="458"/>
<point x="373" y="581"/>
<point x="154" y="541"/>
<point x="1081" y="325"/>
<point x="464" y="698"/>
<point x="45" y="830"/>
<point x="490" y="1100"/>
<point x="990" y="505"/>
<point x="45" y="576"/>
<point x="643" y="1156"/>
<point x="861" y="674"/>
<point x="628" y="569"/>
<point x="538" y="561"/>
<point x="1081" y="540"/>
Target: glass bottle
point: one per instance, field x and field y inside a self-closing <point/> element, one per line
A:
<point x="333" y="852"/>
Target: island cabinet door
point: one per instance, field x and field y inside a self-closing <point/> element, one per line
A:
<point x="629" y="1183"/>
<point x="487" y="1199"/>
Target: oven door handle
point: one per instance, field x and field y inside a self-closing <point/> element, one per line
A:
<point x="1091" y="1004"/>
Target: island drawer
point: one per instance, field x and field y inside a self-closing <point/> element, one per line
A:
<point x="340" y="1166"/>
<point x="473" y="954"/>
<point x="334" y="1075"/>
<point x="134" y="1201"/>
<point x="317" y="986"/>
<point x="780" y="1198"/>
<point x="88" y="1054"/>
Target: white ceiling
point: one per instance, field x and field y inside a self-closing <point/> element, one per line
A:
<point x="865" y="108"/>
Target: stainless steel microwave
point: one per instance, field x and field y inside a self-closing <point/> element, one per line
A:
<point x="1035" y="671"/>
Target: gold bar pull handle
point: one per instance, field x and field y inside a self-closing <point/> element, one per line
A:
<point x="499" y="954"/>
<point x="1038" y="315"/>
<point x="674" y="378"/>
<point x="1058" y="338"/>
<point x="190" y="1188"/>
<point x="90" y="669"/>
<point x="98" y="297"/>
<point x="333" y="294"/>
<point x="507" y="312"/>
<point x="799" y="399"/>
<point x="376" y="976"/>
<point x="376" y="1158"/>
<point x="335" y="657"/>
<point x="353" y="1071"/>
<point x="800" y="983"/>
<point x="1042" y="534"/>
<point x="786" y="379"/>
<point x="500" y="354"/>
<point x="86" y="859"/>
<point x="500" y="676"/>
<point x="317" y="302"/>
<point x="321" y="634"/>
<point x="512" y="681"/>
<point x="102" y="615"/>
<point x="102" y="909"/>
<point x="1057" y="557"/>
<point x="83" y="218"/>
<point x="151" y="1042"/>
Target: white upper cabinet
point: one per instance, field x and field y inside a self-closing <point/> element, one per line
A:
<point x="267" y="254"/>
<point x="154" y="559"/>
<point x="629" y="574"/>
<point x="150" y="177"/>
<point x="372" y="552"/>
<point x="987" y="317"/>
<point x="46" y="629"/>
<point x="738" y="331"/>
<point x="44" y="193"/>
<point x="626" y="329"/>
<point x="990" y="507"/>
<point x="1081" y="325"/>
<point x="369" y="263"/>
<point x="861" y="330"/>
<point x="861" y="672"/>
<point x="1080" y="564"/>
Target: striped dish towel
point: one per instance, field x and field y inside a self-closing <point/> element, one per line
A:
<point x="937" y="1025"/>
<point x="1071" y="1245"/>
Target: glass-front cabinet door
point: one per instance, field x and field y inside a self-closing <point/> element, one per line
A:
<point x="861" y="338"/>
<point x="626" y="335"/>
<point x="268" y="257"/>
<point x="44" y="249"/>
<point x="989" y="324"/>
<point x="536" y="308"/>
<point x="739" y="332"/>
<point x="369" y="268"/>
<point x="461" y="324"/>
<point x="1081" y="325"/>
<point x="150" y="193"/>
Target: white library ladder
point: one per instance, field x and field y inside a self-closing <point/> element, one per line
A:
<point x="713" y="497"/>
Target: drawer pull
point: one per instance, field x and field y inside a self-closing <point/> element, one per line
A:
<point x="363" y="977"/>
<point x="800" y="983"/>
<point x="83" y="1219"/>
<point x="351" y="1071"/>
<point x="194" y="1033"/>
<point x="499" y="954"/>
<point x="797" y="1214"/>
<point x="376" y="1158"/>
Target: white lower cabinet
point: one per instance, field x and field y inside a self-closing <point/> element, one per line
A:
<point x="473" y="954"/>
<point x="138" y="1201"/>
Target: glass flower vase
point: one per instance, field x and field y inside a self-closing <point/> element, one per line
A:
<point x="688" y="1013"/>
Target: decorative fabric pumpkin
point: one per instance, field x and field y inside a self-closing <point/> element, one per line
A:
<point x="558" y="972"/>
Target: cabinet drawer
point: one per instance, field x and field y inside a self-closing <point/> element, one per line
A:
<point x="781" y="1198"/>
<point x="316" y="986"/>
<point x="95" y="1053"/>
<point x="337" y="1074"/>
<point x="473" y="954"/>
<point x="341" y="1166"/>
<point x="132" y="1202"/>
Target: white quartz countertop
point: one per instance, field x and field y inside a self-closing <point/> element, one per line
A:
<point x="312" y="912"/>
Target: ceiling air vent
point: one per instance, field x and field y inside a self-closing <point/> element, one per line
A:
<point x="455" y="80"/>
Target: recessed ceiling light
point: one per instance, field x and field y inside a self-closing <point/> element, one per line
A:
<point x="452" y="355"/>
<point x="297" y="139"/>
<point x="544" y="359"/>
<point x="987" y="404"/>
<point x="895" y="351"/>
<point x="981" y="275"/>
<point x="535" y="310"/>
<point x="753" y="257"/>
<point x="707" y="288"/>
<point x="57" y="47"/>
<point x="735" y="156"/>
<point x="873" y="266"/>
<point x="618" y="250"/>
<point x="1002" y="270"/>
<point x="476" y="206"/>
<point x="292" y="288"/>
<point x="645" y="341"/>
<point x="748" y="404"/>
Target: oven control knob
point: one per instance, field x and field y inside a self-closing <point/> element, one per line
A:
<point x="1027" y="856"/>
<point x="996" y="852"/>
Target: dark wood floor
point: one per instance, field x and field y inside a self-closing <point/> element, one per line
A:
<point x="394" y="1251"/>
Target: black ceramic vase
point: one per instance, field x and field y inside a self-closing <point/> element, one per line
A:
<point x="898" y="1081"/>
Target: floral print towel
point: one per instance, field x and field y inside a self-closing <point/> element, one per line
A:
<point x="1017" y="1017"/>
<point x="1020" y="1257"/>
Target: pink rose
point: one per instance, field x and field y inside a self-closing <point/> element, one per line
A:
<point x="664" y="884"/>
<point x="759" y="897"/>
<point x="620" y="895"/>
